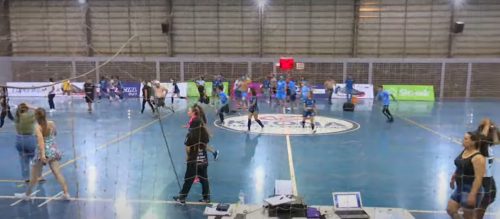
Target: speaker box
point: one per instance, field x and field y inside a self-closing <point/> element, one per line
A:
<point x="165" y="27"/>
<point x="458" y="27"/>
<point x="348" y="107"/>
<point x="288" y="210"/>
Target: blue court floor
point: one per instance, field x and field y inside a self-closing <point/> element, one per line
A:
<point x="117" y="165"/>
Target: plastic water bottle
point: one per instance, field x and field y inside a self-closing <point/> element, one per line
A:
<point x="241" y="198"/>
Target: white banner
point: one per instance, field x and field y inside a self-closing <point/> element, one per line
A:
<point x="26" y="91"/>
<point x="360" y="91"/>
<point x="182" y="88"/>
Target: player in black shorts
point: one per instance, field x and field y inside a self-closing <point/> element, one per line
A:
<point x="89" y="89"/>
<point x="253" y="110"/>
<point x="177" y="91"/>
<point x="309" y="111"/>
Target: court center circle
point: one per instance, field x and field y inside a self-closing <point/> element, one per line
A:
<point x="289" y="124"/>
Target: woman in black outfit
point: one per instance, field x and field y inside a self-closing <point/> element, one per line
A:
<point x="52" y="94"/>
<point x="197" y="161"/>
<point x="491" y="136"/>
<point x="4" y="102"/>
<point x="89" y="89"/>
<point x="467" y="180"/>
<point x="146" y="96"/>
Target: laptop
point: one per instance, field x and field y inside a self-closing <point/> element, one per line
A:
<point x="348" y="205"/>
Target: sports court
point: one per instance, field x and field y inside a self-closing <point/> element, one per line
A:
<point x="438" y="57"/>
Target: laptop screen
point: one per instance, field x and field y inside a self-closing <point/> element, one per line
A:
<point x="347" y="200"/>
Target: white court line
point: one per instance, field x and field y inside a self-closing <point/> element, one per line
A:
<point x="51" y="198"/>
<point x="20" y="200"/>
<point x="442" y="212"/>
<point x="290" y="161"/>
<point x="107" y="200"/>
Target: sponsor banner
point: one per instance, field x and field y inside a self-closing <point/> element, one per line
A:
<point x="192" y="89"/>
<point x="131" y="89"/>
<point x="289" y="124"/>
<point x="360" y="91"/>
<point x="182" y="88"/>
<point x="26" y="91"/>
<point x="411" y="92"/>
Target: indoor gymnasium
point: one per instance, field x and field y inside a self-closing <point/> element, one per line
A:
<point x="249" y="109"/>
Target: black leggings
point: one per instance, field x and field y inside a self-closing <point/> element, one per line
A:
<point x="386" y="112"/>
<point x="222" y="110"/>
<point x="195" y="169"/>
<point x="144" y="104"/>
<point x="2" y="116"/>
<point x="51" y="101"/>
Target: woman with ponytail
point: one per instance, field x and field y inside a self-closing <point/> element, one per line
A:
<point x="468" y="178"/>
<point x="25" y="138"/>
<point x="196" y="157"/>
<point x="47" y="153"/>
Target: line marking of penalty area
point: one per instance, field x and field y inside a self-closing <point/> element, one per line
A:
<point x="290" y="159"/>
<point x="111" y="142"/>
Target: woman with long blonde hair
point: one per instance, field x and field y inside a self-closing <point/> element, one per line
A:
<point x="47" y="153"/>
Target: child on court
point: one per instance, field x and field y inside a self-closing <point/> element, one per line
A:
<point x="309" y="111"/>
<point x="253" y="110"/>
<point x="224" y="104"/>
<point x="384" y="96"/>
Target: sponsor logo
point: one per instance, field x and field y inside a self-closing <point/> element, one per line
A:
<point x="289" y="124"/>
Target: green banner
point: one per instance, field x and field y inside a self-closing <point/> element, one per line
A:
<point x="411" y="92"/>
<point x="192" y="89"/>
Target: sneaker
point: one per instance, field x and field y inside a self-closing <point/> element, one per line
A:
<point x="179" y="199"/>
<point x="66" y="197"/>
<point x="314" y="131"/>
<point x="22" y="196"/>
<point x="216" y="155"/>
<point x="205" y="201"/>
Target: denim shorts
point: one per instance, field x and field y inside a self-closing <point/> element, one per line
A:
<point x="461" y="196"/>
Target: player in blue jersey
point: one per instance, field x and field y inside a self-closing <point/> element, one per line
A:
<point x="224" y="104"/>
<point x="384" y="96"/>
<point x="309" y="111"/>
<point x="305" y="91"/>
<point x="292" y="92"/>
<point x="281" y="91"/>
<point x="349" y="86"/>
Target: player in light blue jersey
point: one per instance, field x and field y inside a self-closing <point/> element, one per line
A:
<point x="384" y="96"/>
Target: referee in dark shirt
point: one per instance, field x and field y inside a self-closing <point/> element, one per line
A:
<point x="197" y="162"/>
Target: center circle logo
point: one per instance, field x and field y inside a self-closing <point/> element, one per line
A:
<point x="289" y="124"/>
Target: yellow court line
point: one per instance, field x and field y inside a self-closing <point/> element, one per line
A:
<point x="109" y="143"/>
<point x="434" y="132"/>
<point x="430" y="130"/>
<point x="290" y="161"/>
